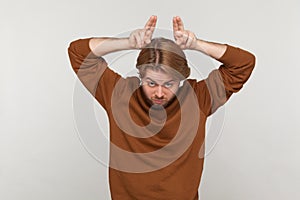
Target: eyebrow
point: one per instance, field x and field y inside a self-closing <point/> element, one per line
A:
<point x="164" y="82"/>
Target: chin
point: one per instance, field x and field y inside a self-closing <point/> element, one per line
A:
<point x="160" y="105"/>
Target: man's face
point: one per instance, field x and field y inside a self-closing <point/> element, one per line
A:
<point x="159" y="87"/>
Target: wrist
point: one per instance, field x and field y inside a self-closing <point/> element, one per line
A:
<point x="125" y="44"/>
<point x="198" y="45"/>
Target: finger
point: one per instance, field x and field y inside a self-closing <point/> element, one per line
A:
<point x="142" y="37"/>
<point x="148" y="33"/>
<point x="189" y="40"/>
<point x="152" y="27"/>
<point x="185" y="37"/>
<point x="138" y="40"/>
<point x="151" y="23"/>
<point x="148" y="36"/>
<point x="175" y="25"/>
<point x="179" y="23"/>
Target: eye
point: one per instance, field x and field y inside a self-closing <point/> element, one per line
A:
<point x="168" y="85"/>
<point x="151" y="84"/>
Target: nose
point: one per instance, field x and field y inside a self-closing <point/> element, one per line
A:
<point x="159" y="92"/>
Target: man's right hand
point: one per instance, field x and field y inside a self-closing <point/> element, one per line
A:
<point x="141" y="37"/>
<point x="137" y="39"/>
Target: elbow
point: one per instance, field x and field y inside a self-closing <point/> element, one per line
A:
<point x="251" y="61"/>
<point x="72" y="47"/>
<point x="73" y="56"/>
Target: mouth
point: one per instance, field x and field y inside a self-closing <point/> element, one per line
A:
<point x="158" y="101"/>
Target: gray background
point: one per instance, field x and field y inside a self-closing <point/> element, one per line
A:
<point x="257" y="156"/>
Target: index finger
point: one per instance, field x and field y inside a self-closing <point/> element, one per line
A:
<point x="177" y="24"/>
<point x="151" y="23"/>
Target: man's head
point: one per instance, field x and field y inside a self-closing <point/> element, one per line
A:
<point x="162" y="65"/>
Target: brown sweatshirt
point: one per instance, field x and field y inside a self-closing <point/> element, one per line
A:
<point x="155" y="153"/>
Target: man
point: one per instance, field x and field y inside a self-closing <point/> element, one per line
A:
<point x="157" y="120"/>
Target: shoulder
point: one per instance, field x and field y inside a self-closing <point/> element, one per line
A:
<point x="125" y="86"/>
<point x="194" y="83"/>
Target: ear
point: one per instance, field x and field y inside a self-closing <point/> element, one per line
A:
<point x="140" y="78"/>
<point x="181" y="83"/>
<point x="141" y="83"/>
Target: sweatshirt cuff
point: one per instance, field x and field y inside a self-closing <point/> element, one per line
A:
<point x="229" y="54"/>
<point x="83" y="46"/>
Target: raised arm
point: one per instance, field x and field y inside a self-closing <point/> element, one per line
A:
<point x="91" y="68"/>
<point x="137" y="39"/>
<point x="236" y="68"/>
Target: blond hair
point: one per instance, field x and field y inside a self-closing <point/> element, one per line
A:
<point x="165" y="55"/>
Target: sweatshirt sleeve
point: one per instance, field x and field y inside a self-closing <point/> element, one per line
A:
<point x="92" y="71"/>
<point x="216" y="89"/>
